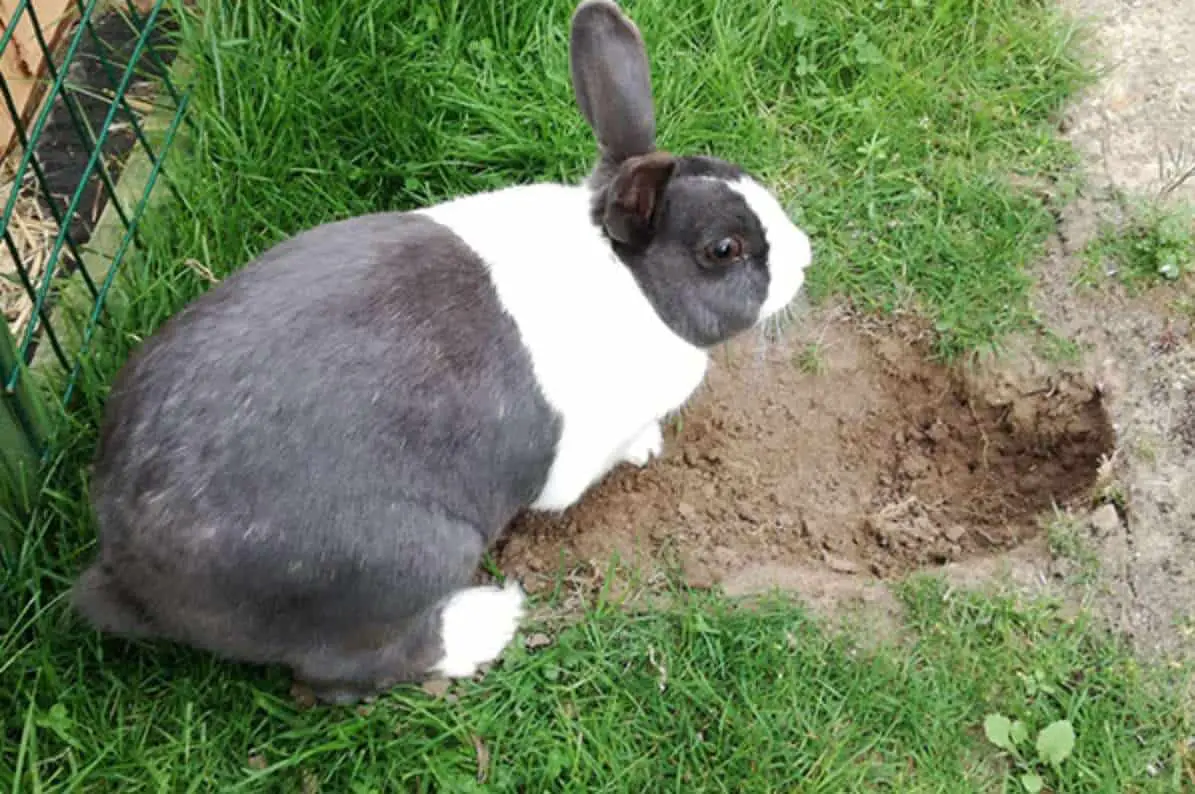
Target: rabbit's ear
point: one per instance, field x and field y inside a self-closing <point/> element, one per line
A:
<point x="633" y="196"/>
<point x="612" y="79"/>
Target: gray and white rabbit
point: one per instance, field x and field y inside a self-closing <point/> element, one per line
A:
<point x="306" y="464"/>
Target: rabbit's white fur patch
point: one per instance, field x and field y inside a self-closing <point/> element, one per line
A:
<point x="603" y="357"/>
<point x="789" y="249"/>
<point x="476" y="625"/>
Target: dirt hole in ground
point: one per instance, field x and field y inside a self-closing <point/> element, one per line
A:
<point x="834" y="450"/>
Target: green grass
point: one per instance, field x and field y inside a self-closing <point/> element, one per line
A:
<point x="902" y="135"/>
<point x="1153" y="244"/>
<point x="811" y="359"/>
<point x="1068" y="543"/>
<point x="707" y="696"/>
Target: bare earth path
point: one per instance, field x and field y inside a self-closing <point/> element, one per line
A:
<point x="1136" y="131"/>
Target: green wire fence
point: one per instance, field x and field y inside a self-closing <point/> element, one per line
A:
<point x="84" y="165"/>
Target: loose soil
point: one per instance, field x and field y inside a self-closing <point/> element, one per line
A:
<point x="875" y="463"/>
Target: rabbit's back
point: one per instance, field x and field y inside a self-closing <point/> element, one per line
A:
<point x="307" y="420"/>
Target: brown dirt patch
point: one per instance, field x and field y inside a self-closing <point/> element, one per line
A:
<point x="880" y="463"/>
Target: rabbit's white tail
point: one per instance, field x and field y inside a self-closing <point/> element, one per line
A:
<point x="476" y="625"/>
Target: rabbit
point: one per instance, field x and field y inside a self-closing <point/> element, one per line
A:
<point x="304" y="466"/>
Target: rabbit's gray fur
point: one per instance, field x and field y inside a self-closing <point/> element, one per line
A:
<point x="332" y="501"/>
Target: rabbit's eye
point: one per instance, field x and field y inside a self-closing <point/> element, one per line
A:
<point x="726" y="250"/>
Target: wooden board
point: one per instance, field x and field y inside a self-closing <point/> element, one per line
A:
<point x="23" y="64"/>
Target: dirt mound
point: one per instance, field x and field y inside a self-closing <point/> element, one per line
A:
<point x="853" y="455"/>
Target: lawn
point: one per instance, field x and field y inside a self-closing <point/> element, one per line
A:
<point x="913" y="140"/>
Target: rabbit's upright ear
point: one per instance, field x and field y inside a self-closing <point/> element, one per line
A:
<point x="612" y="80"/>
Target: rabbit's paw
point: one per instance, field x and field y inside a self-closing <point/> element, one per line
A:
<point x="476" y="625"/>
<point x="647" y="445"/>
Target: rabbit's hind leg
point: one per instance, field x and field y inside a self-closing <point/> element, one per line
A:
<point x="452" y="639"/>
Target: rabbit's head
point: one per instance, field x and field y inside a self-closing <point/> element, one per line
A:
<point x="712" y="248"/>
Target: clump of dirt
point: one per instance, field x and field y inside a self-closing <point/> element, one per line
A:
<point x="871" y="464"/>
<point x="1185" y="426"/>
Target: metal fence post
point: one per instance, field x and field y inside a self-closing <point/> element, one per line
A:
<point x="23" y="431"/>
